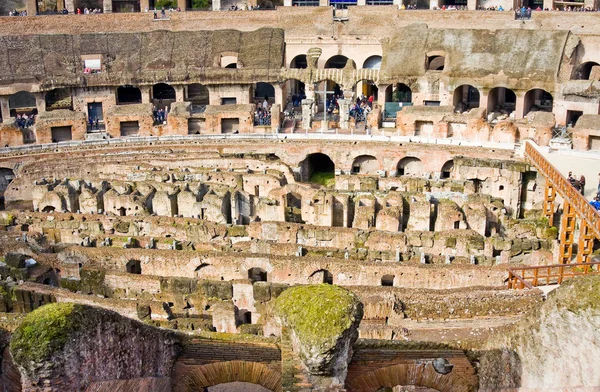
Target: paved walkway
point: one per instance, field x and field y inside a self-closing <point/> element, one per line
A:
<point x="579" y="162"/>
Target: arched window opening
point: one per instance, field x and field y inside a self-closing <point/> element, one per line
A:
<point x="538" y="100"/>
<point x="134" y="267"/>
<point x="387" y="280"/>
<point x="337" y="61"/>
<point x="59" y="98"/>
<point x="128" y="95"/>
<point x="587" y="71"/>
<point x="22" y="103"/>
<point x="48" y="209"/>
<point x="398" y="92"/>
<point x="321" y="276"/>
<point x="318" y="168"/>
<point x="299" y="62"/>
<point x="197" y="94"/>
<point x="373" y="62"/>
<point x="163" y="91"/>
<point x="294" y="90"/>
<point x="365" y="164"/>
<point x="367" y="88"/>
<point x="501" y="99"/>
<point x="256" y="274"/>
<point x="410" y="166"/>
<point x="447" y="169"/>
<point x="435" y="63"/>
<point x="122" y="211"/>
<point x="264" y="91"/>
<point x="466" y="97"/>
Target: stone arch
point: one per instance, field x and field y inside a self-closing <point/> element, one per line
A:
<point x="365" y="164"/>
<point x="316" y="163"/>
<point x="134" y="267"/>
<point x="537" y="100"/>
<point x="447" y="168"/>
<point x="200" y="377"/>
<point x="228" y="60"/>
<point x="409" y="166"/>
<point x="257" y="274"/>
<point x="435" y="62"/>
<point x="398" y="92"/>
<point x="59" y="98"/>
<point x="299" y="62"/>
<point x="262" y="90"/>
<point x="338" y="61"/>
<point x="294" y="90"/>
<point x="589" y="70"/>
<point x="373" y="62"/>
<point x="423" y="375"/>
<point x="197" y="94"/>
<point x="321" y="276"/>
<point x="465" y="97"/>
<point x="367" y="87"/>
<point x="128" y="94"/>
<point x="501" y="98"/>
<point x="163" y="91"/>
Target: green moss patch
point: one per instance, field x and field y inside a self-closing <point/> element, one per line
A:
<point x="318" y="314"/>
<point x="326" y="179"/>
<point x="44" y="332"/>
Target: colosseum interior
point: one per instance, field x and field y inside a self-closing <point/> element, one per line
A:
<point x="323" y="196"/>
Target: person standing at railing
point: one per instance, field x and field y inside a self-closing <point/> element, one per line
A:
<point x="582" y="183"/>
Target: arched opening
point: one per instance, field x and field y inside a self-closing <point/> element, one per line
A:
<point x="133" y="267"/>
<point x="46" y="6"/>
<point x="447" y="169"/>
<point x="48" y="209"/>
<point x="398" y="92"/>
<point x="587" y="71"/>
<point x="373" y="62"/>
<point x="257" y="274"/>
<point x="162" y="92"/>
<point x="198" y="95"/>
<point x="538" y="100"/>
<point x="128" y="95"/>
<point x="327" y="93"/>
<point x="368" y="89"/>
<point x="466" y="97"/>
<point x="293" y="208"/>
<point x="365" y="164"/>
<point x="198" y="377"/>
<point x="238" y="386"/>
<point x="321" y="276"/>
<point x="501" y="99"/>
<point x="387" y="280"/>
<point x="295" y="91"/>
<point x="264" y="91"/>
<point x="122" y="211"/>
<point x="22" y="103"/>
<point x="435" y="63"/>
<point x="59" y="98"/>
<point x="409" y="166"/>
<point x="337" y="61"/>
<point x="299" y="62"/>
<point x="317" y="168"/>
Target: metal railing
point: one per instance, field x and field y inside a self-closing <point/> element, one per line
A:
<point x="543" y="275"/>
<point x="581" y="205"/>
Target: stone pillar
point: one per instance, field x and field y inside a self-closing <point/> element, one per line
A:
<point x="4" y="108"/>
<point x="307" y="113"/>
<point x="144" y="4"/>
<point x="278" y="95"/>
<point x="549" y="4"/>
<point x="361" y="2"/>
<point x="181" y="4"/>
<point x="60" y="5"/>
<point x="147" y="94"/>
<point x="31" y="6"/>
<point x="344" y="112"/>
<point x="107" y="6"/>
<point x="433" y="3"/>
<point x="275" y="118"/>
<point x="179" y="93"/>
<point x="287" y="3"/>
<point x="398" y="3"/>
<point x="309" y="90"/>
<point x="216" y="5"/>
<point x="381" y="96"/>
<point x="40" y="102"/>
<point x="70" y="6"/>
<point x="323" y="3"/>
<point x="519" y="106"/>
<point x="483" y="99"/>
<point x="471" y="5"/>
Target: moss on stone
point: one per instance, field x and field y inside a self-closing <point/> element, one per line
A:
<point x="44" y="331"/>
<point x="318" y="314"/>
<point x="237" y="231"/>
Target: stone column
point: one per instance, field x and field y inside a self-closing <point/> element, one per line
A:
<point x="433" y="3"/>
<point x="307" y="113"/>
<point x="287" y="3"/>
<point x="309" y="90"/>
<point x="146" y="94"/>
<point x="216" y="5"/>
<point x="31" y="6"/>
<point x="361" y="2"/>
<point x="381" y="95"/>
<point x="549" y="4"/>
<point x="4" y="108"/>
<point x="60" y="5"/>
<point x="471" y="5"/>
<point x="179" y="93"/>
<point x="182" y="4"/>
<point x="344" y="112"/>
<point x="519" y="106"/>
<point x="144" y="4"/>
<point x="70" y="6"/>
<point x="483" y="99"/>
<point x="278" y="95"/>
<point x="40" y="102"/>
<point x="107" y="6"/>
<point x="323" y="3"/>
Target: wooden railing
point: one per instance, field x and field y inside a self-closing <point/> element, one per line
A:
<point x="543" y="275"/>
<point x="581" y="205"/>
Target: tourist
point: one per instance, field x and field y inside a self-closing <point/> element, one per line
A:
<point x="596" y="203"/>
<point x="582" y="183"/>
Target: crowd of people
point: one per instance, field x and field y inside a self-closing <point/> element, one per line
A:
<point x="25" y="120"/>
<point x="85" y="11"/>
<point x="362" y="107"/>
<point x="17" y="13"/>
<point x="93" y="123"/>
<point x="262" y="115"/>
<point x="160" y="115"/>
<point x="578" y="184"/>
